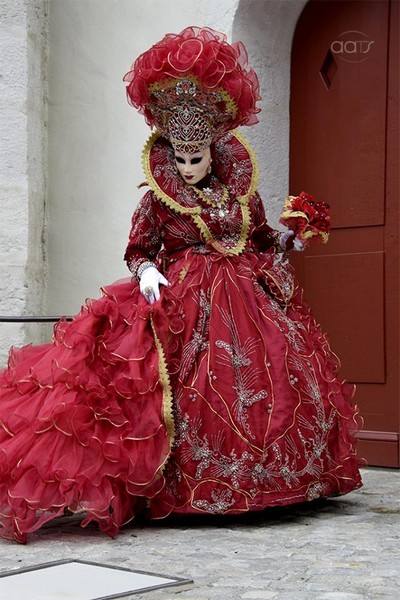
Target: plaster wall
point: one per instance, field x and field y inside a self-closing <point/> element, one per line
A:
<point x="266" y="27"/>
<point x="23" y="55"/>
<point x="96" y="139"/>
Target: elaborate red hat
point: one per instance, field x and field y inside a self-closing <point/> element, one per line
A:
<point x="193" y="87"/>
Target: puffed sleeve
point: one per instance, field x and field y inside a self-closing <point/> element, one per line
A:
<point x="262" y="235"/>
<point x="145" y="239"/>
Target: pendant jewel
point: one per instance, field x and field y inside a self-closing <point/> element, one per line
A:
<point x="216" y="197"/>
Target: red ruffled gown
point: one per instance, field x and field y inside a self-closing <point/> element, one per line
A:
<point x="222" y="397"/>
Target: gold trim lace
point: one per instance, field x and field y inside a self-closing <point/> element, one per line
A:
<point x="195" y="211"/>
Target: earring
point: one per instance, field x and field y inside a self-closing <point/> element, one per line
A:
<point x="209" y="168"/>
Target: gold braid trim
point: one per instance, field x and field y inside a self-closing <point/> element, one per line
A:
<point x="244" y="205"/>
<point x="170" y="202"/>
<point x="168" y="414"/>
<point x="256" y="172"/>
<point x="196" y="211"/>
<point x="244" y="234"/>
<point x="240" y="246"/>
<point x="244" y="200"/>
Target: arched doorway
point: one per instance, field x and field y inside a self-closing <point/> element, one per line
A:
<point x="344" y="150"/>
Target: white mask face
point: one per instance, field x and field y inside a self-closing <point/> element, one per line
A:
<point x="193" y="167"/>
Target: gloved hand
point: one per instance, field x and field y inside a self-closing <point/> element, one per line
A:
<point x="150" y="282"/>
<point x="297" y="243"/>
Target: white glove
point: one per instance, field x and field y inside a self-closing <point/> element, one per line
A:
<point x="150" y="282"/>
<point x="297" y="243"/>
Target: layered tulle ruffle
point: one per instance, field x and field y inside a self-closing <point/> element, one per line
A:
<point x="86" y="421"/>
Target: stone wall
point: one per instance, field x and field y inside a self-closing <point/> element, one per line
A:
<point x="23" y="143"/>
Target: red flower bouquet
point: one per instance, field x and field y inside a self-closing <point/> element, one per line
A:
<point x="308" y="219"/>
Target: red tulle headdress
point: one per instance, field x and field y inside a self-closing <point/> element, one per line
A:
<point x="194" y="86"/>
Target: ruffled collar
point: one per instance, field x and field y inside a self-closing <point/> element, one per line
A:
<point x="234" y="166"/>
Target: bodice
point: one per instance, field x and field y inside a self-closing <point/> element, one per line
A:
<point x="225" y="215"/>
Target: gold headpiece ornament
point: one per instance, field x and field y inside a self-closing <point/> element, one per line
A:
<point x="187" y="115"/>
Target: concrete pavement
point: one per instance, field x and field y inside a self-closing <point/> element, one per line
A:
<point x="341" y="549"/>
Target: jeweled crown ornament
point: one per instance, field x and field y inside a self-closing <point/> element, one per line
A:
<point x="189" y="130"/>
<point x="185" y="114"/>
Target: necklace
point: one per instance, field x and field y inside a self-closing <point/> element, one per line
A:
<point x="215" y="197"/>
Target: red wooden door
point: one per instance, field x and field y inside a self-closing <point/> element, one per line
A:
<point x="344" y="151"/>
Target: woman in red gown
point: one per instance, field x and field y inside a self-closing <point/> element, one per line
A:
<point x="202" y="384"/>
